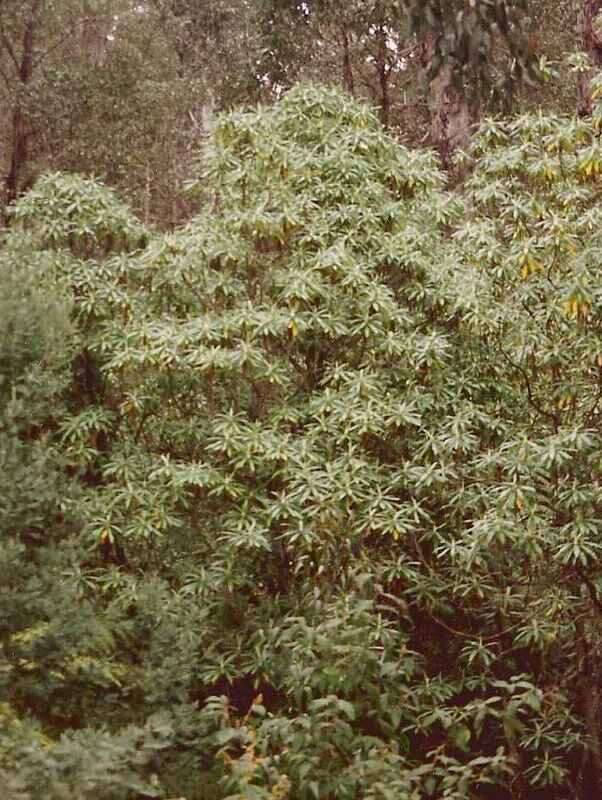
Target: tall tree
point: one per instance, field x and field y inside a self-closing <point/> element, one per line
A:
<point x="93" y="87"/>
<point x="365" y="47"/>
<point x="466" y="54"/>
<point x="35" y="37"/>
<point x="217" y="43"/>
<point x="473" y="52"/>
<point x="19" y="26"/>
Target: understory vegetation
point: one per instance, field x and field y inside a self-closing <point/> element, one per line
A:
<point x="302" y="499"/>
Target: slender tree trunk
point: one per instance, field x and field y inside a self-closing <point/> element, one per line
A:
<point x="449" y="110"/>
<point x="384" y="74"/>
<point x="348" y="81"/>
<point x="18" y="154"/>
<point x="147" y="195"/>
<point x="590" y="34"/>
<point x="20" y="134"/>
<point x="450" y="117"/>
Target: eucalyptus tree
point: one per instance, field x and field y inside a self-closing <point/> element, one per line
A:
<point x="474" y="52"/>
<point x="463" y="55"/>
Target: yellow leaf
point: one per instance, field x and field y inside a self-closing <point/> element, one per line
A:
<point x="529" y="265"/>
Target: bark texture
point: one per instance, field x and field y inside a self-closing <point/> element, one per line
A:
<point x="590" y="35"/>
<point x="450" y="117"/>
<point x="20" y="134"/>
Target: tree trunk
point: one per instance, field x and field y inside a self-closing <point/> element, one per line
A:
<point x="449" y="110"/>
<point x="590" y="34"/>
<point x="18" y="154"/>
<point x="20" y="134"/>
<point x="450" y="117"/>
<point x="384" y="73"/>
<point x="348" y="81"/>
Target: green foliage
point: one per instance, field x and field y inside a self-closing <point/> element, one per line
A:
<point x="35" y="350"/>
<point x="466" y="37"/>
<point x="334" y="532"/>
<point x="77" y="214"/>
<point x="34" y="317"/>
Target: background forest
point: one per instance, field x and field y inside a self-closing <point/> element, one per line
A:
<point x="300" y="400"/>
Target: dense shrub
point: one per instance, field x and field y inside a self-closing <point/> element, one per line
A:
<point x="337" y="499"/>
